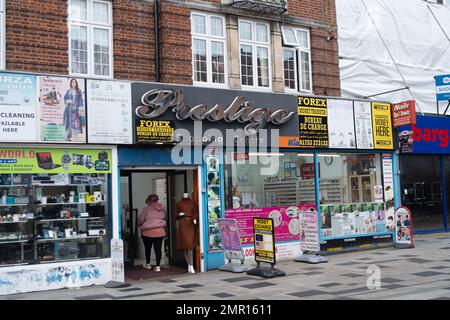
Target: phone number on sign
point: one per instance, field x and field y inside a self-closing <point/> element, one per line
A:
<point x="313" y="143"/>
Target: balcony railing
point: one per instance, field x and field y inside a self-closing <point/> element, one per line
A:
<point x="266" y="6"/>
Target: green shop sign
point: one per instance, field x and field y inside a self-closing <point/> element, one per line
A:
<point x="47" y="160"/>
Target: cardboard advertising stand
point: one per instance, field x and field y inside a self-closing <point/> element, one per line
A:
<point x="309" y="236"/>
<point x="264" y="242"/>
<point x="403" y="237"/>
<point x="232" y="245"/>
<point x="118" y="269"/>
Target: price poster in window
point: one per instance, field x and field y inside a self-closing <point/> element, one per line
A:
<point x="313" y="122"/>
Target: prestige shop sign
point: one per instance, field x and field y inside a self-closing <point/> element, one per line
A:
<point x="157" y="101"/>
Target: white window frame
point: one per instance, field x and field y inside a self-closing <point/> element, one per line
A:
<point x="2" y="35"/>
<point x="298" y="50"/>
<point x="296" y="73"/>
<point x="208" y="37"/>
<point x="255" y="45"/>
<point x="90" y="25"/>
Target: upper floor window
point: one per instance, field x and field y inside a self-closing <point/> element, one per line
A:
<point x="2" y="34"/>
<point x="208" y="49"/>
<point x="254" y="38"/>
<point x="90" y="38"/>
<point x="297" y="59"/>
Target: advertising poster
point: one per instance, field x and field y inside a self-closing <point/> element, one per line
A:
<point x="285" y="219"/>
<point x="388" y="182"/>
<point x="382" y="125"/>
<point x="309" y="228"/>
<point x="18" y="101"/>
<point x="353" y="219"/>
<point x="154" y="131"/>
<point x="118" y="268"/>
<point x="363" y="124"/>
<point x="403" y="226"/>
<point x="111" y="98"/>
<point x="231" y="240"/>
<point x="264" y="235"/>
<point x="40" y="160"/>
<point x="313" y="123"/>
<point x="405" y="141"/>
<point x="404" y="113"/>
<point x="214" y="201"/>
<point x="341" y="129"/>
<point x="62" y="109"/>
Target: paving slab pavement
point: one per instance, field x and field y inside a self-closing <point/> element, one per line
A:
<point x="419" y="273"/>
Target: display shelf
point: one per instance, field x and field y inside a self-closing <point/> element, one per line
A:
<point x="21" y="221"/>
<point x="14" y="264"/>
<point x="14" y="205"/>
<point x="67" y="219"/>
<point x="14" y="185"/>
<point x="13" y="241"/>
<point x="69" y="203"/>
<point x="68" y="185"/>
<point x="66" y="239"/>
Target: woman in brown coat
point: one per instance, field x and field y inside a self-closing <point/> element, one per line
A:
<point x="186" y="212"/>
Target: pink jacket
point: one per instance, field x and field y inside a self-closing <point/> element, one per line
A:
<point x="152" y="217"/>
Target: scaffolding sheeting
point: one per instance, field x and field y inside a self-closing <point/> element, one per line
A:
<point x="386" y="45"/>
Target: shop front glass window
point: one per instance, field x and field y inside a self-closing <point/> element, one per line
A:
<point x="281" y="196"/>
<point x="421" y="187"/>
<point x="55" y="217"/>
<point x="246" y="187"/>
<point x="351" y="195"/>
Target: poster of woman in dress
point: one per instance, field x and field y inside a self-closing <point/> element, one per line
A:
<point x="63" y="110"/>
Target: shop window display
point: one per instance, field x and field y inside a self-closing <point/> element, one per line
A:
<point x="351" y="195"/>
<point x="281" y="196"/>
<point x="246" y="187"/>
<point x="55" y="217"/>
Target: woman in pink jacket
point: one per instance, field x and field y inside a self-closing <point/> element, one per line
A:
<point x="152" y="223"/>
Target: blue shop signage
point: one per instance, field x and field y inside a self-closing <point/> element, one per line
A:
<point x="443" y="87"/>
<point x="430" y="135"/>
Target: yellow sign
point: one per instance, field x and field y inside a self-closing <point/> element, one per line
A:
<point x="154" y="131"/>
<point x="264" y="240"/>
<point x="382" y="125"/>
<point x="313" y="122"/>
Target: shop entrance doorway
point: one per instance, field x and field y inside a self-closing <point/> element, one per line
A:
<point x="169" y="185"/>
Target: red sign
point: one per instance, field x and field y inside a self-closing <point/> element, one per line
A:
<point x="307" y="171"/>
<point x="404" y="113"/>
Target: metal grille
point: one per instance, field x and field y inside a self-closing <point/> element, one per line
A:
<point x="266" y="6"/>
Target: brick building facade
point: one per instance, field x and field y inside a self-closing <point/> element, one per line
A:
<point x="37" y="39"/>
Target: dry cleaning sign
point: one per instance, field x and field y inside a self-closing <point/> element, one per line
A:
<point x="18" y="107"/>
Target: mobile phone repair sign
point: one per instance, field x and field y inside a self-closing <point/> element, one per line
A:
<point x="442" y="87"/>
<point x="264" y="232"/>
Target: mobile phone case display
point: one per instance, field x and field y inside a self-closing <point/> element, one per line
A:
<point x="214" y="201"/>
<point x="52" y="217"/>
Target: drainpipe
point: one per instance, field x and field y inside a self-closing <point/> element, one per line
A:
<point x="156" y="31"/>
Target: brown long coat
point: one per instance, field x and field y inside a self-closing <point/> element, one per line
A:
<point x="186" y="228"/>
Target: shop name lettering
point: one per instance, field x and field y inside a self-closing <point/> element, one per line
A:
<point x="18" y="154"/>
<point x="432" y="135"/>
<point x="15" y="80"/>
<point x="156" y="102"/>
